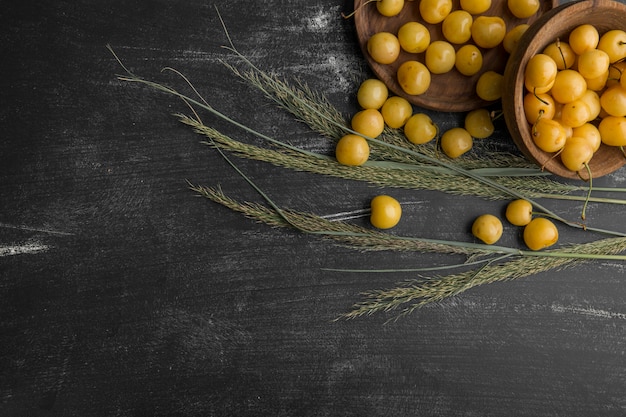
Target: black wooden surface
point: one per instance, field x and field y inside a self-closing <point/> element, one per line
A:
<point x="123" y="294"/>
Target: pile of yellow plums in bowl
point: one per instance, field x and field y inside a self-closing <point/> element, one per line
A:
<point x="445" y="55"/>
<point x="564" y="97"/>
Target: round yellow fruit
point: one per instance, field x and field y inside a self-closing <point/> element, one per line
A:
<point x="352" y="150"/>
<point x="372" y="94"/>
<point x="487" y="228"/>
<point x="383" y="47"/>
<point x="519" y="212"/>
<point x="413" y="77"/>
<point x="386" y="212"/>
<point x="540" y="233"/>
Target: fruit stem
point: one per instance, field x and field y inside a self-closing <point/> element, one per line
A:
<point x="348" y="16"/>
<point x="558" y="46"/>
<point x="584" y="211"/>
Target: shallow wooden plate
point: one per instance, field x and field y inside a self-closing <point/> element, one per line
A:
<point x="452" y="91"/>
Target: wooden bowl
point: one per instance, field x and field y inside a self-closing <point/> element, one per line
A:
<point x="453" y="91"/>
<point x="557" y="23"/>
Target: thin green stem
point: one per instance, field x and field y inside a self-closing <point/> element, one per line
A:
<point x="582" y="198"/>
<point x="589" y="173"/>
<point x="426" y="269"/>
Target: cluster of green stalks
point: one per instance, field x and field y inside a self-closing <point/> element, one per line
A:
<point x="394" y="162"/>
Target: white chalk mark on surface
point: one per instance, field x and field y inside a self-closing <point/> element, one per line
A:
<point x="34" y="229"/>
<point x="27" y="248"/>
<point x="356" y="214"/>
<point x="321" y="20"/>
<point x="347" y="215"/>
<point x="588" y="311"/>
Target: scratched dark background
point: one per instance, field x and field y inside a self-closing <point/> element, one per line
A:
<point x="123" y="294"/>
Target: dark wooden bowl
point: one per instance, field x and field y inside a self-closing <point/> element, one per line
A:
<point x="557" y="23"/>
<point x="452" y="91"/>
